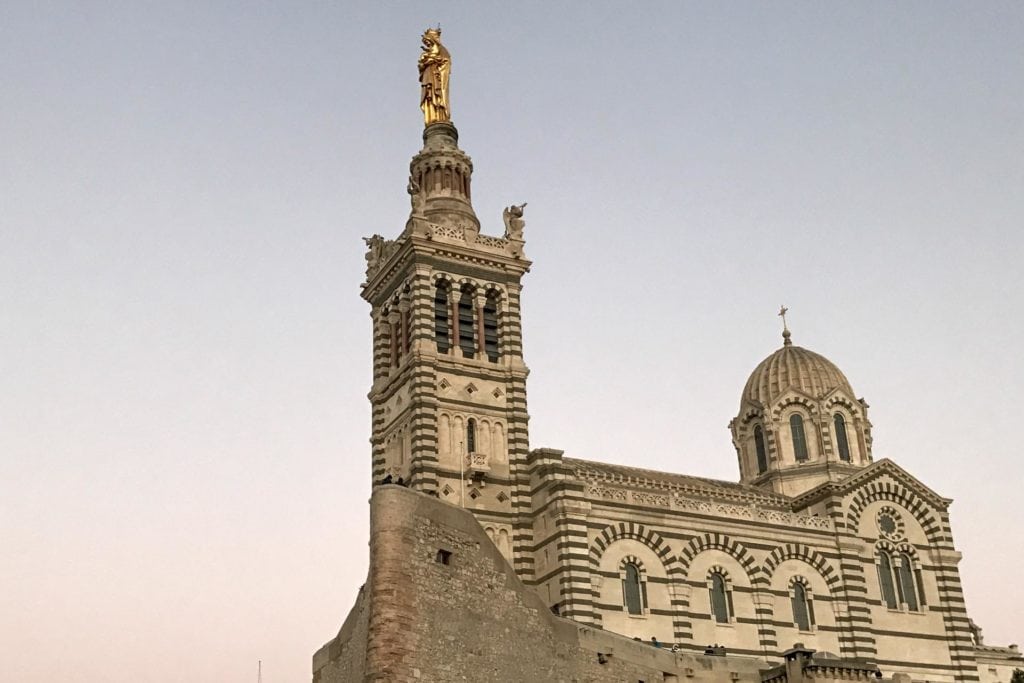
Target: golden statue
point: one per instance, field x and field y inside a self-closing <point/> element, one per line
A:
<point x="435" y="66"/>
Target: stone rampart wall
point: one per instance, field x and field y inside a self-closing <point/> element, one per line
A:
<point x="442" y="604"/>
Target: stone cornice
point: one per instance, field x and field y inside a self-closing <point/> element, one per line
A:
<point x="636" y="478"/>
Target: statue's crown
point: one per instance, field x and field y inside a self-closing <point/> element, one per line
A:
<point x="433" y="32"/>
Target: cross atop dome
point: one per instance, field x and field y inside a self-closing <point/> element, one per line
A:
<point x="785" y="329"/>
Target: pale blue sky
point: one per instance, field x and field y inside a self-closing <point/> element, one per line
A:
<point x="184" y="356"/>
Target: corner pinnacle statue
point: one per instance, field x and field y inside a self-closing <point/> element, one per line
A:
<point x="435" y="66"/>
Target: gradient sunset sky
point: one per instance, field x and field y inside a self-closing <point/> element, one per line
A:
<point x="184" y="356"/>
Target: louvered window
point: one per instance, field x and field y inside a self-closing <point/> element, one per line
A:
<point x="466" y="324"/>
<point x="491" y="328"/>
<point x="441" y="308"/>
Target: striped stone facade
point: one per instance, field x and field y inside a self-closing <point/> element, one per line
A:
<point x="683" y="529"/>
<point x="802" y="549"/>
<point x="449" y="412"/>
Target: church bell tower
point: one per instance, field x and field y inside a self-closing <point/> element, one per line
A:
<point x="449" y="383"/>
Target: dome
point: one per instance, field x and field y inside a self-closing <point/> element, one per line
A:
<point x="794" y="367"/>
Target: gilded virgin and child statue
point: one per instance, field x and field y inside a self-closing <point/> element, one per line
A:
<point x="435" y="67"/>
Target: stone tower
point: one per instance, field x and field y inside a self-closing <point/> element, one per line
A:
<point x="449" y="382"/>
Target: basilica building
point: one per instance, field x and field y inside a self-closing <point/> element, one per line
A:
<point x="815" y="546"/>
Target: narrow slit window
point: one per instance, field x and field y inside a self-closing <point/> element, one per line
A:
<point x="801" y="611"/>
<point x="885" y="581"/>
<point x="471" y="436"/>
<point x="631" y="593"/>
<point x="719" y="600"/>
<point x="841" y="443"/>
<point x="406" y="330"/>
<point x="762" y="452"/>
<point x="796" y="429"/>
<point x="906" y="575"/>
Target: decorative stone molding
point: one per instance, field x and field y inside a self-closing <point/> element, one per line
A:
<point x="677" y="501"/>
<point x="454" y="232"/>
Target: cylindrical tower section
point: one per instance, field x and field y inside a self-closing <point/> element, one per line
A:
<point x="444" y="174"/>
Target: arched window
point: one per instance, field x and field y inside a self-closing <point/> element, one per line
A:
<point x="885" y="580"/>
<point x="841" y="443"/>
<point x="491" y="327"/>
<point x="441" y="308"/>
<point x="803" y="606"/>
<point x="762" y="454"/>
<point x="908" y="594"/>
<point x="466" y="324"/>
<point x="471" y="435"/>
<point x="796" y="429"/>
<point x="633" y="590"/>
<point x="721" y="598"/>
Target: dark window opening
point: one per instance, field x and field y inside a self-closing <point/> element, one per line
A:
<point x="471" y="436"/>
<point x="796" y="429"/>
<point x="719" y="601"/>
<point x="443" y="557"/>
<point x="406" y="330"/>
<point x="631" y="590"/>
<point x="801" y="611"/>
<point x="441" y="334"/>
<point x="466" y="324"/>
<point x="491" y="328"/>
<point x="885" y="581"/>
<point x="762" y="453"/>
<point x="907" y="588"/>
<point x="841" y="443"/>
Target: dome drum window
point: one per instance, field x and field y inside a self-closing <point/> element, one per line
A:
<point x="761" y="451"/>
<point x="796" y="431"/>
<point x="842" y="444"/>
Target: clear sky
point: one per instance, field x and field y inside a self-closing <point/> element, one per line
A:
<point x="184" y="356"/>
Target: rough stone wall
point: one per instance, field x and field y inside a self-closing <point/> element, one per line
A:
<point x="442" y="604"/>
<point x="343" y="658"/>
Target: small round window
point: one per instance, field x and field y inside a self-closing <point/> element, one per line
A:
<point x="889" y="522"/>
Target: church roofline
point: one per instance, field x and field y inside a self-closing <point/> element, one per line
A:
<point x="636" y="476"/>
<point x="872" y="471"/>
